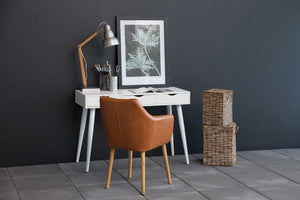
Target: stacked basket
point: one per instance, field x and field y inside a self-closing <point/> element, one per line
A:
<point x="219" y="132"/>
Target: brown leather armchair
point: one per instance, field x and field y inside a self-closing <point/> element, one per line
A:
<point x="128" y="126"/>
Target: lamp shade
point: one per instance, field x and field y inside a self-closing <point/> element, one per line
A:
<point x="109" y="37"/>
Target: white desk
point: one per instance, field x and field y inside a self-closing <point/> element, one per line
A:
<point x="90" y="101"/>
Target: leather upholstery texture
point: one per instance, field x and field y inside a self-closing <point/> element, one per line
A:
<point x="128" y="126"/>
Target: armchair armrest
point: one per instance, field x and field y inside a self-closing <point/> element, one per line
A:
<point x="162" y="129"/>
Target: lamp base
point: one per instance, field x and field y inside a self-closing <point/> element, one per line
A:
<point x="90" y="89"/>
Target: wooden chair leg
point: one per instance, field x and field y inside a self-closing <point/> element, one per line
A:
<point x="166" y="163"/>
<point x="110" y="165"/>
<point x="143" y="172"/>
<point x="130" y="163"/>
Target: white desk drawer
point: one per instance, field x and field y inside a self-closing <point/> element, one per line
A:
<point x="173" y="99"/>
<point x="93" y="101"/>
<point x="145" y="100"/>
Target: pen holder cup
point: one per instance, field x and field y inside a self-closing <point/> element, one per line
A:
<point x="104" y="80"/>
<point x="113" y="84"/>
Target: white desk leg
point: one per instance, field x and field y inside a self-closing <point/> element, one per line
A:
<point x="81" y="132"/>
<point x="182" y="132"/>
<point x="90" y="139"/>
<point x="169" y="110"/>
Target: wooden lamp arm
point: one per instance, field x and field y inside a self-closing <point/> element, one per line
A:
<point x="80" y="56"/>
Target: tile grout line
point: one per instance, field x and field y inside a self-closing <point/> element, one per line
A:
<point x="271" y="170"/>
<point x="237" y="180"/>
<point x="241" y="183"/>
<point x="284" y="154"/>
<point x="183" y="181"/>
<point x="127" y="181"/>
<point x="13" y="181"/>
<point x="71" y="182"/>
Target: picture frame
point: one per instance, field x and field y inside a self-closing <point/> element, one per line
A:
<point x="142" y="51"/>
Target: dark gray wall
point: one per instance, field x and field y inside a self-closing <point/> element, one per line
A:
<point x="250" y="46"/>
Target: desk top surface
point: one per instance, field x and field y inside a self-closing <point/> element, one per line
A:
<point x="173" y="90"/>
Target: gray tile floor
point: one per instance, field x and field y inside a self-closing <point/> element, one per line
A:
<point x="268" y="174"/>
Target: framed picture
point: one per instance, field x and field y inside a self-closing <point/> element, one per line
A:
<point x="142" y="51"/>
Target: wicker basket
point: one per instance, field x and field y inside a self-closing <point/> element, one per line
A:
<point x="217" y="107"/>
<point x="219" y="145"/>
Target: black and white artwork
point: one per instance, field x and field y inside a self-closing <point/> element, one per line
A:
<point x="142" y="49"/>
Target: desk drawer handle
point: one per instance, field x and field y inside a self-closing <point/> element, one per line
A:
<point x="171" y="94"/>
<point x="139" y="95"/>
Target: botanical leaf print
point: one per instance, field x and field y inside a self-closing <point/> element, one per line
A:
<point x="146" y="37"/>
<point x="139" y="61"/>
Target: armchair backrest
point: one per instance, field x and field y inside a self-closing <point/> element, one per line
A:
<point x="127" y="124"/>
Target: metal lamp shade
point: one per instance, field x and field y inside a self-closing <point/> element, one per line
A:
<point x="109" y="37"/>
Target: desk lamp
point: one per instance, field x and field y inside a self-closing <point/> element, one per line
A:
<point x="108" y="41"/>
